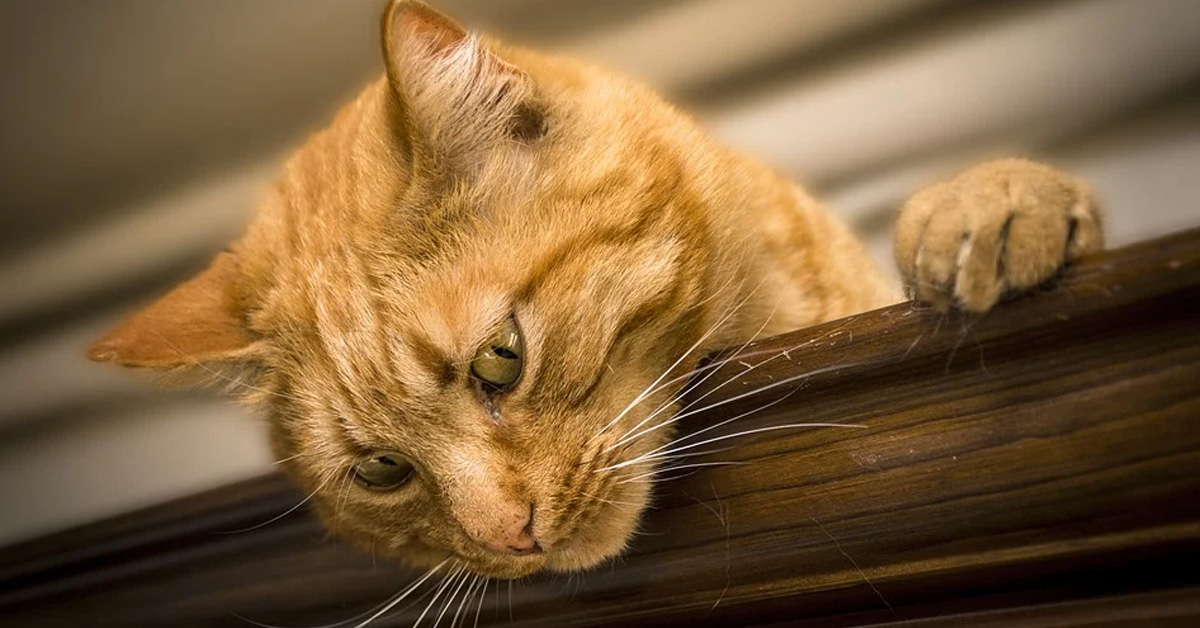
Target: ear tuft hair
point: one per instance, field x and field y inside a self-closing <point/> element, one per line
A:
<point x="460" y="98"/>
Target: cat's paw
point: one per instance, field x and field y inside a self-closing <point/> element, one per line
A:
<point x="1000" y="227"/>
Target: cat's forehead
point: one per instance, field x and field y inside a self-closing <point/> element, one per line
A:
<point x="382" y="259"/>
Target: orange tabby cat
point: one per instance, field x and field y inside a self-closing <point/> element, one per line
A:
<point x="495" y="264"/>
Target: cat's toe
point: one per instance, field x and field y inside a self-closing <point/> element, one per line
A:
<point x="933" y="273"/>
<point x="1002" y="227"/>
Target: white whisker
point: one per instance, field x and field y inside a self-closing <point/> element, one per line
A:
<point x="683" y="412"/>
<point x="389" y="603"/>
<point x="346" y="482"/>
<point x="750" y="393"/>
<point x="407" y="591"/>
<point x="655" y="453"/>
<point x="289" y="458"/>
<point x="468" y="594"/>
<point x="447" y="581"/>
<point x="693" y="465"/>
<point x="736" y="355"/>
<point x="649" y="390"/>
<point x="482" y="595"/>
<point x="510" y="613"/>
<point x="467" y="579"/>
<point x="693" y="386"/>
<point x="289" y="511"/>
<point x="461" y="579"/>
<point x="769" y="428"/>
<point x="649" y="456"/>
<point x="761" y="389"/>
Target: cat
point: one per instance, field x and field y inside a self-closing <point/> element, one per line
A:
<point x="461" y="298"/>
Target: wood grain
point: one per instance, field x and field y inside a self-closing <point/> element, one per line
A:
<point x="1034" y="467"/>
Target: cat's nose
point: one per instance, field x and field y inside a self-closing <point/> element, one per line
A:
<point x="515" y="536"/>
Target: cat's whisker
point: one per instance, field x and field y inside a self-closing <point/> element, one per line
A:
<point x="715" y="366"/>
<point x="672" y="448"/>
<point x="388" y="603"/>
<point x="289" y="458"/>
<point x="289" y="511"/>
<point x="649" y="390"/>
<point x="482" y="596"/>
<point x="399" y="597"/>
<point x="683" y="412"/>
<point x="612" y="502"/>
<point x="737" y="355"/>
<point x="658" y="452"/>
<point x="773" y="354"/>
<point x="629" y="434"/>
<point x="759" y="430"/>
<point x="478" y="592"/>
<point x="693" y="465"/>
<point x="346" y="482"/>
<point x="473" y="579"/>
<point x="447" y="581"/>
<point x="691" y="454"/>
<point x="662" y="477"/>
<point x="452" y="592"/>
<point x="695" y="371"/>
<point x="648" y="457"/>
<point x="510" y="608"/>
<point x="761" y="389"/>
<point x="711" y="367"/>
<point x="677" y="476"/>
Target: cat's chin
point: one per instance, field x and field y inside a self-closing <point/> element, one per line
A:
<point x="509" y="568"/>
<point x="580" y="557"/>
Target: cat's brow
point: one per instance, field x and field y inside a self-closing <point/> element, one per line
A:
<point x="626" y="322"/>
<point x="432" y="359"/>
<point x="630" y="320"/>
<point x="575" y="246"/>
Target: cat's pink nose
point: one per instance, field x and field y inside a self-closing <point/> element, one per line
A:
<point x="515" y="536"/>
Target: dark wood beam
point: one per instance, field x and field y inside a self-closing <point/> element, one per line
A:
<point x="1036" y="464"/>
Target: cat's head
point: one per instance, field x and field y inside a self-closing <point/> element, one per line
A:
<point x="461" y="296"/>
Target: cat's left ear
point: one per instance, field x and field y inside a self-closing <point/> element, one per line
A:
<point x="198" y="324"/>
<point x="455" y="95"/>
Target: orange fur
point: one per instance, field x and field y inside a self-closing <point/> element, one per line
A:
<point x="477" y="181"/>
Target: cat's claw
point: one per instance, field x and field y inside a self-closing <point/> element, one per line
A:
<point x="1004" y="226"/>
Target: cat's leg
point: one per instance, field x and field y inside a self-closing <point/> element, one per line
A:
<point x="1002" y="226"/>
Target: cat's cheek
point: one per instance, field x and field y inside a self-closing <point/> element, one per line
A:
<point x="605" y="537"/>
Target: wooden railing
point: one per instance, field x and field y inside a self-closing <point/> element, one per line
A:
<point x="1037" y="466"/>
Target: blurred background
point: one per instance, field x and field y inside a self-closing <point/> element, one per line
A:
<point x="136" y="137"/>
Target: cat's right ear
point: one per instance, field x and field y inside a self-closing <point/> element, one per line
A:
<point x="198" y="325"/>
<point x="456" y="97"/>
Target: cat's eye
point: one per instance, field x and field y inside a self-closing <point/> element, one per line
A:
<point x="500" y="360"/>
<point x="383" y="472"/>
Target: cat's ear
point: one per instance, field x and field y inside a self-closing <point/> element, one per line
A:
<point x="199" y="323"/>
<point x="455" y="94"/>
